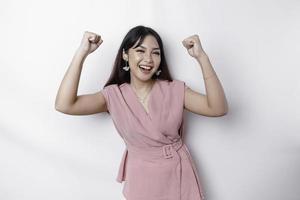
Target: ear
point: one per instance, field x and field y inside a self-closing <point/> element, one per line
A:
<point x="125" y="56"/>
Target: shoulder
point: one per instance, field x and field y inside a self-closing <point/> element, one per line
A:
<point x="178" y="82"/>
<point x="175" y="83"/>
<point x="172" y="82"/>
<point x="108" y="90"/>
<point x="175" y="87"/>
<point x="112" y="87"/>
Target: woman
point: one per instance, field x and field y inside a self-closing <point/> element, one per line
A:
<point x="146" y="106"/>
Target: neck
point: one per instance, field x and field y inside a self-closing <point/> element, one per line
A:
<point x="141" y="86"/>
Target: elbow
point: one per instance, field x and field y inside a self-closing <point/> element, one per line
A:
<point x="221" y="113"/>
<point x="60" y="109"/>
<point x="57" y="108"/>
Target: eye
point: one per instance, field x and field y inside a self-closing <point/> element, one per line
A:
<point x="139" y="50"/>
<point x="157" y="53"/>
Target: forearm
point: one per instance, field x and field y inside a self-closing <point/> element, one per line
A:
<point x="214" y="91"/>
<point x="67" y="93"/>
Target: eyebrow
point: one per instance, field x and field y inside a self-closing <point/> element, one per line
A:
<point x="145" y="47"/>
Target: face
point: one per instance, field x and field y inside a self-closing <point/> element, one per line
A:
<point x="146" y="56"/>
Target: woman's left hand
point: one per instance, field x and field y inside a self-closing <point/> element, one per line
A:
<point x="193" y="46"/>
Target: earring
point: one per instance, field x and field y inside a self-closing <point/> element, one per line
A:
<point x="126" y="68"/>
<point x="158" y="72"/>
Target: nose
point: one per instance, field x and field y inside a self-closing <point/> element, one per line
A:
<point x="148" y="57"/>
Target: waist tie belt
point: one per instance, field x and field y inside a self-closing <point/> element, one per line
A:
<point x="166" y="151"/>
<point x="158" y="154"/>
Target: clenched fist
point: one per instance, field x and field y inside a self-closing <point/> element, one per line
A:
<point x="193" y="46"/>
<point x="90" y="42"/>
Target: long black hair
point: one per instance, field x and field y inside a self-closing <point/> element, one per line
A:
<point x="118" y="75"/>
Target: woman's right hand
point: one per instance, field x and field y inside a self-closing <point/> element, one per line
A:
<point x="89" y="43"/>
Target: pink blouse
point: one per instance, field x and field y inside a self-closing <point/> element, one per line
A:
<point x="156" y="164"/>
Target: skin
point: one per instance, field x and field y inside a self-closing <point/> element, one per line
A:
<point x="67" y="101"/>
<point x="148" y="53"/>
<point x="214" y="103"/>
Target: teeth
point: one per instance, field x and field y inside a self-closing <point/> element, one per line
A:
<point x="145" y="67"/>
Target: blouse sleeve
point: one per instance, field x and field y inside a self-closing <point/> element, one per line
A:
<point x="180" y="88"/>
<point x="185" y="86"/>
<point x="105" y="91"/>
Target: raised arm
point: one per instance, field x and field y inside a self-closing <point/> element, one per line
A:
<point x="67" y="100"/>
<point x="214" y="103"/>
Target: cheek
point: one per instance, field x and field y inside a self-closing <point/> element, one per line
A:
<point x="138" y="58"/>
<point x="158" y="60"/>
<point x="135" y="59"/>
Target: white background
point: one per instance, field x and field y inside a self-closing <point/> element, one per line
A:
<point x="250" y="153"/>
